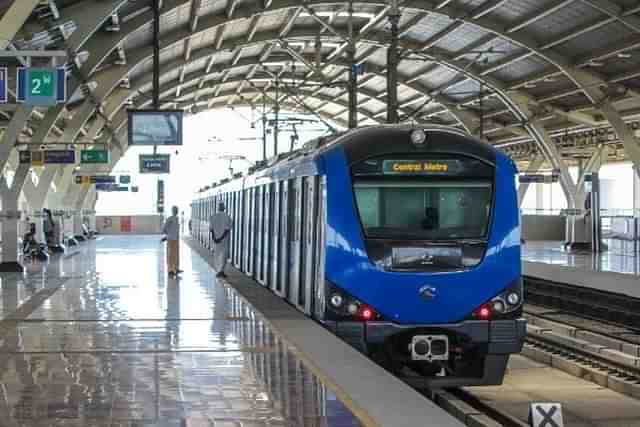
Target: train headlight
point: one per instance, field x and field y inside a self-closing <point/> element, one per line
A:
<point x="418" y="137"/>
<point x="352" y="308"/>
<point x="336" y="300"/>
<point x="498" y="306"/>
<point x="513" y="298"/>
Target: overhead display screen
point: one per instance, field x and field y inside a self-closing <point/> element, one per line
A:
<point x="155" y="127"/>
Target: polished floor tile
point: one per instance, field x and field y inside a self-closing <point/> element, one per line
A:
<point x="608" y="261"/>
<point x="103" y="337"/>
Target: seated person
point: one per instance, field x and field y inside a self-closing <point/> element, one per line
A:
<point x="29" y="242"/>
<point x="86" y="232"/>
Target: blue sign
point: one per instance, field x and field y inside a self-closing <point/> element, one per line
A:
<point x="103" y="179"/>
<point x="59" y="157"/>
<point x="42" y="86"/>
<point x="537" y="179"/>
<point x="125" y="179"/>
<point x="4" y="85"/>
<point x="110" y="187"/>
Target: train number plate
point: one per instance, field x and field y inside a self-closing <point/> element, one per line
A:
<point x="430" y="347"/>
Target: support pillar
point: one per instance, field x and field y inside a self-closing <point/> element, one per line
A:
<point x="11" y="216"/>
<point x="13" y="20"/>
<point x="353" y="73"/>
<point x="534" y="166"/>
<point x="36" y="195"/>
<point x="392" y="64"/>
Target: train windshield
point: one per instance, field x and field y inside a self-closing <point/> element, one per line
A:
<point x="434" y="199"/>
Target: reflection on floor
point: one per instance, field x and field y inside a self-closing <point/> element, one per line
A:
<point x="553" y="253"/>
<point x="104" y="338"/>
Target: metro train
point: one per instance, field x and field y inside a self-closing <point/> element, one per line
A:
<point x="402" y="240"/>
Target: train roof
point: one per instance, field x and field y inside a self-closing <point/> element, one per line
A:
<point x="364" y="142"/>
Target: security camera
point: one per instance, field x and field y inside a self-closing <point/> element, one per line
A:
<point x="43" y="147"/>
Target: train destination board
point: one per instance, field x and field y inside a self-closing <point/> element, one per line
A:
<point x="419" y="166"/>
<point x="155" y="127"/>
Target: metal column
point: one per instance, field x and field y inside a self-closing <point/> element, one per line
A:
<point x="353" y="74"/>
<point x="156" y="54"/>
<point x="596" y="229"/>
<point x="392" y="64"/>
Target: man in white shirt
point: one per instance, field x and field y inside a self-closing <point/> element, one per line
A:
<point x="220" y="225"/>
<point x="171" y="230"/>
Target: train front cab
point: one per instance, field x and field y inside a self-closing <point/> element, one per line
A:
<point x="421" y="300"/>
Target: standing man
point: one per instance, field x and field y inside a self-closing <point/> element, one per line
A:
<point x="220" y="225"/>
<point x="171" y="231"/>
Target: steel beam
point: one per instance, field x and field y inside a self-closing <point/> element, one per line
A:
<point x="13" y="20"/>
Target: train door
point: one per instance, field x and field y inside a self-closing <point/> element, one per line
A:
<point x="275" y="237"/>
<point x="257" y="235"/>
<point x="283" y="254"/>
<point x="236" y="228"/>
<point x="319" y="259"/>
<point x="205" y="215"/>
<point x="295" y="221"/>
<point x="242" y="233"/>
<point x="248" y="218"/>
<point x="266" y="233"/>
<point x="309" y="242"/>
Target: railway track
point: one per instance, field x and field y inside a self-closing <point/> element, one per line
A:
<point x="589" y="335"/>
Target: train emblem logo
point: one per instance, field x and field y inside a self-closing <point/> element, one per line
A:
<point x="427" y="292"/>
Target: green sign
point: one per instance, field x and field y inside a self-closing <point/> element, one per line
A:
<point x="41" y="83"/>
<point x="41" y="86"/>
<point x="94" y="156"/>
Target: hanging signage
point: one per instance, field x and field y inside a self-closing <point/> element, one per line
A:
<point x="155" y="127"/>
<point x="537" y="179"/>
<point x="158" y="163"/>
<point x="53" y="157"/>
<point x="109" y="187"/>
<point x="94" y="156"/>
<point x="4" y="86"/>
<point x="103" y="179"/>
<point x="59" y="157"/>
<point x="160" y="197"/>
<point x="42" y="86"/>
<point x="24" y="157"/>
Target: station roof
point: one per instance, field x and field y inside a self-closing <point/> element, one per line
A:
<point x="559" y="78"/>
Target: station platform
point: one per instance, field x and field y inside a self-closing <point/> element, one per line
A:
<point x="606" y="271"/>
<point x="102" y="337"/>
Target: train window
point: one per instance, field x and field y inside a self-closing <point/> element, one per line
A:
<point x="440" y="198"/>
<point x="424" y="210"/>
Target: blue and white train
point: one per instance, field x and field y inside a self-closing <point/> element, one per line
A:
<point x="403" y="241"/>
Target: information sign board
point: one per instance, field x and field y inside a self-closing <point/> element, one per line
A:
<point x="41" y="86"/>
<point x="37" y="158"/>
<point x="160" y="197"/>
<point x="110" y="187"/>
<point x="537" y="178"/>
<point x="155" y="127"/>
<point x="158" y="163"/>
<point x="125" y="179"/>
<point x="4" y="86"/>
<point x="59" y="157"/>
<point x="103" y="179"/>
<point x="24" y="157"/>
<point x="94" y="156"/>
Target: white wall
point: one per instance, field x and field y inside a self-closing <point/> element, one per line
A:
<point x="140" y="224"/>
